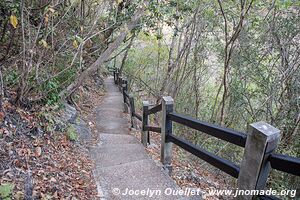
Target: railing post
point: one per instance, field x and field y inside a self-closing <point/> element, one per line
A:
<point x="132" y="111"/>
<point x="124" y="89"/>
<point x="126" y="84"/>
<point x="145" y="122"/>
<point x="114" y="73"/>
<point x="166" y="129"/>
<point x="261" y="142"/>
<point x="120" y="83"/>
<point x="117" y="77"/>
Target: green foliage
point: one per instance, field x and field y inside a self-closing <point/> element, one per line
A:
<point x="53" y="96"/>
<point x="11" y="78"/>
<point x="263" y="78"/>
<point x="6" y="191"/>
<point x="54" y="86"/>
<point x="284" y="4"/>
<point x="72" y="134"/>
<point x="11" y="5"/>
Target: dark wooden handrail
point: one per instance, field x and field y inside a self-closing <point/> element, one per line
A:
<point x="139" y="117"/>
<point x="285" y="163"/>
<point x="153" y="129"/>
<point x="224" y="165"/>
<point x="226" y="134"/>
<point x="126" y="94"/>
<point x="154" y="109"/>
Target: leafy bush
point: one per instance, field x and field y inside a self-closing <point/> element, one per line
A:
<point x="71" y="133"/>
<point x="6" y="191"/>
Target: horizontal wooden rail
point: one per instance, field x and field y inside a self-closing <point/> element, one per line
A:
<point x="153" y="129"/>
<point x="224" y="165"/>
<point x="154" y="109"/>
<point x="126" y="94"/>
<point x="226" y="134"/>
<point x="268" y="198"/>
<point x="285" y="163"/>
<point x="139" y="117"/>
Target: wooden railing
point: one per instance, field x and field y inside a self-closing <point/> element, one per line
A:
<point x="259" y="143"/>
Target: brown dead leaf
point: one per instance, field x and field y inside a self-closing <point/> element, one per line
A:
<point x="38" y="151"/>
<point x="2" y="115"/>
<point x="19" y="195"/>
<point x="53" y="180"/>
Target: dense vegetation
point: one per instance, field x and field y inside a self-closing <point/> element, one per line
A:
<point x="226" y="62"/>
<point x="231" y="63"/>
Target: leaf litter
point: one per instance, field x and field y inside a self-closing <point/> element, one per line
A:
<point x="38" y="159"/>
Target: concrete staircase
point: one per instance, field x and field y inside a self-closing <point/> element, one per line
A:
<point x="121" y="161"/>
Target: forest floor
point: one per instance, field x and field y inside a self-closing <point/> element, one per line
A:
<point x="38" y="159"/>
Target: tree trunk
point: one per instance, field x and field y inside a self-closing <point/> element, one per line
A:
<point x="126" y="54"/>
<point x="105" y="55"/>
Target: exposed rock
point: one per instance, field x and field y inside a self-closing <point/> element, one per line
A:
<point x="28" y="186"/>
<point x="83" y="130"/>
<point x="70" y="115"/>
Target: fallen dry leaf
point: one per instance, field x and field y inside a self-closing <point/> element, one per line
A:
<point x="38" y="151"/>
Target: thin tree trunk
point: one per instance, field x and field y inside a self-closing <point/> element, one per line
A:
<point x="170" y="60"/>
<point x="105" y="55"/>
<point x="126" y="54"/>
<point x="228" y="50"/>
<point x="22" y="86"/>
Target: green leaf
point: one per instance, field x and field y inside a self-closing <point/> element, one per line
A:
<point x="6" y="190"/>
<point x="79" y="39"/>
<point x="71" y="133"/>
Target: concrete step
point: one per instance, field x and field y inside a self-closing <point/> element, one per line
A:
<point x="114" y="139"/>
<point x="113" y="126"/>
<point x="137" y="175"/>
<point x="115" y="154"/>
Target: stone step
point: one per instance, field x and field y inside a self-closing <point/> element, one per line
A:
<point x="115" y="154"/>
<point x="113" y="139"/>
<point x="137" y="175"/>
